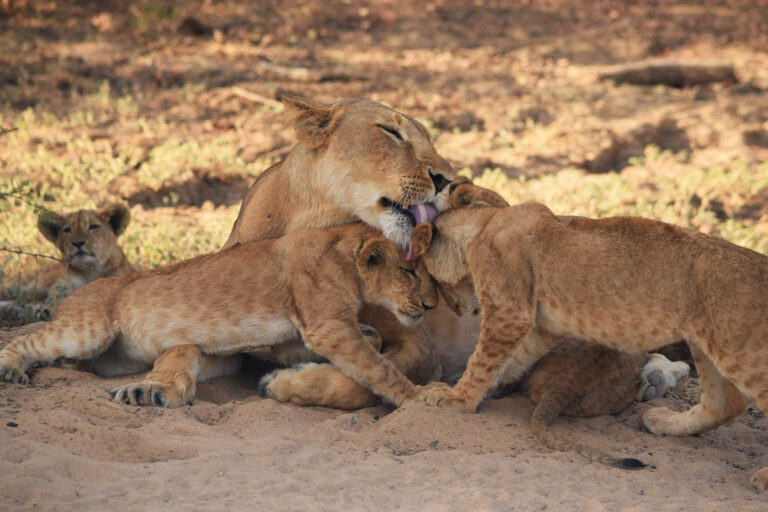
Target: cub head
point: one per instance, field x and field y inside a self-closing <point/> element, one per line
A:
<point x="87" y="238"/>
<point x="371" y="161"/>
<point x="403" y="287"/>
<point x="444" y="258"/>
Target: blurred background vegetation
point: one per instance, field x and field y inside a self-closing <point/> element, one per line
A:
<point x="171" y="106"/>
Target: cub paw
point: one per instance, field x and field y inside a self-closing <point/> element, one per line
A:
<point x="445" y="397"/>
<point x="760" y="480"/>
<point x="10" y="372"/>
<point x="659" y="375"/>
<point x="660" y="420"/>
<point x="150" y="393"/>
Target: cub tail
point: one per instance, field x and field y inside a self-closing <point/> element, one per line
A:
<point x="547" y="410"/>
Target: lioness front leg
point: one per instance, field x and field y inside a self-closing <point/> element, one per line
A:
<point x="343" y="344"/>
<point x="172" y="380"/>
<point x="720" y="402"/>
<point x="501" y="334"/>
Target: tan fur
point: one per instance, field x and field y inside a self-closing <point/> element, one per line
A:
<point x="349" y="165"/>
<point x="626" y="283"/>
<point x="308" y="285"/>
<point x="87" y="243"/>
<point x="579" y="378"/>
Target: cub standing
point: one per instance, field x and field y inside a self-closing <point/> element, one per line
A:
<point x="627" y="283"/>
<point x="307" y="285"/>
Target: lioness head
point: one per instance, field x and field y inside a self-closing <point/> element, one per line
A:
<point x="86" y="238"/>
<point x="374" y="162"/>
<point x="403" y="287"/>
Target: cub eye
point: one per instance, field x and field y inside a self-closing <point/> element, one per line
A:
<point x="391" y="131"/>
<point x="67" y="230"/>
<point x="93" y="226"/>
<point x="409" y="271"/>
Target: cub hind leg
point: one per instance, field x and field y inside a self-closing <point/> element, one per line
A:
<point x="81" y="331"/>
<point x="721" y="401"/>
<point x="322" y="383"/>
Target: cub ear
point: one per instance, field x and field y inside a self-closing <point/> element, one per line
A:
<point x="117" y="215"/>
<point x="314" y="122"/>
<point x="421" y="238"/>
<point x="374" y="253"/>
<point x="49" y="224"/>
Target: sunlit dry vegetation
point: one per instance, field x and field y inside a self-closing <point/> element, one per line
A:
<point x="143" y="102"/>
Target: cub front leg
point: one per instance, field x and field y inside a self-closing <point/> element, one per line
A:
<point x="344" y="345"/>
<point x="501" y="334"/>
<point x="172" y="380"/>
<point x="171" y="383"/>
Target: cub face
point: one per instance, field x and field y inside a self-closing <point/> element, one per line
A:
<point x="86" y="238"/>
<point x="405" y="288"/>
<point x="381" y="162"/>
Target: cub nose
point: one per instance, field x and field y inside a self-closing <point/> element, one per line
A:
<point x="78" y="245"/>
<point x="439" y="180"/>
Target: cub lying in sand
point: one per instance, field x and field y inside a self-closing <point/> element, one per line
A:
<point x="308" y="285"/>
<point x="87" y="241"/>
<point x="627" y="283"/>
<point x="579" y="378"/>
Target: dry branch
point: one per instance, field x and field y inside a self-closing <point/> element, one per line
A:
<point x="300" y="74"/>
<point x="258" y="98"/>
<point x="675" y="74"/>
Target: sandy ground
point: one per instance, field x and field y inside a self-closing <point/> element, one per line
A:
<point x="67" y="445"/>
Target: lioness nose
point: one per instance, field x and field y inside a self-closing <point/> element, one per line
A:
<point x="439" y="180"/>
<point x="78" y="245"/>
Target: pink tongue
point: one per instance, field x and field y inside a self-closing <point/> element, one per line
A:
<point x="422" y="213"/>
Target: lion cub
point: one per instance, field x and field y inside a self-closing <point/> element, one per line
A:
<point x="87" y="242"/>
<point x="307" y="285"/>
<point x="627" y="283"/>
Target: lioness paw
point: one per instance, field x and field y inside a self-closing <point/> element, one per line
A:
<point x="150" y="393"/>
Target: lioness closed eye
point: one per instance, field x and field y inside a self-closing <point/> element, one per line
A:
<point x="307" y="285"/>
<point x="627" y="283"/>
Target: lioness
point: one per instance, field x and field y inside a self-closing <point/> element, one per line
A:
<point x="627" y="283"/>
<point x="87" y="242"/>
<point x="307" y="285"/>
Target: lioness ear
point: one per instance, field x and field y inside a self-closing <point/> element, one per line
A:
<point x="375" y="252"/>
<point x="421" y="238"/>
<point x="49" y="224"/>
<point x="314" y="122"/>
<point x="117" y="215"/>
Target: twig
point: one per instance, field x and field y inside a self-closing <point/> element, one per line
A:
<point x="3" y="131"/>
<point x="25" y="253"/>
<point x="258" y="98"/>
